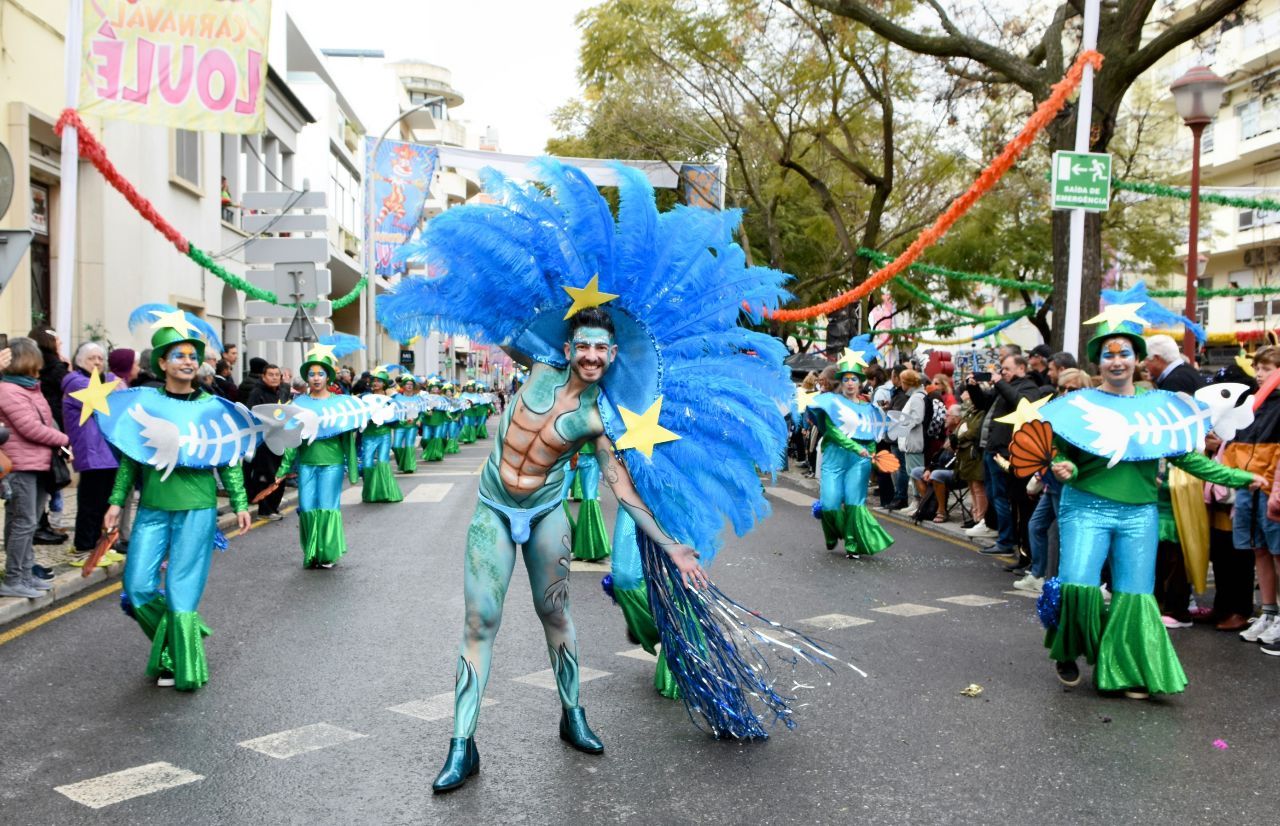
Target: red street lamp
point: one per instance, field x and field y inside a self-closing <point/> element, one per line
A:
<point x="1197" y="95"/>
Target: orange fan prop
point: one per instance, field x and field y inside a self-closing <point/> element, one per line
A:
<point x="272" y="488"/>
<point x="886" y="462"/>
<point x="100" y="550"/>
<point x="1031" y="450"/>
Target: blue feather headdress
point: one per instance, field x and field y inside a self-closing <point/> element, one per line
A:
<point x="343" y="344"/>
<point x="147" y="315"/>
<point x="1152" y="312"/>
<point x="681" y="284"/>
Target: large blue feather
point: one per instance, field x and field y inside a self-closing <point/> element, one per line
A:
<point x="343" y="344"/>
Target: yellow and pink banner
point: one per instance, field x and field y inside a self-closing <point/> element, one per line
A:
<point x="188" y="64"/>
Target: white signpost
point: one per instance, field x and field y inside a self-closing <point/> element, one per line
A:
<point x="289" y="266"/>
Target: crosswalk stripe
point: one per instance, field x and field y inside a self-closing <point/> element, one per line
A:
<point x="832" y="622"/>
<point x="437" y="707"/>
<point x="795" y="497"/>
<point x="909" y="609"/>
<point x="427" y="492"/>
<point x="638" y="654"/>
<point x="98" y="792"/>
<point x="291" y="743"/>
<point x="1029" y="594"/>
<point x="973" y="600"/>
<point x="547" y="678"/>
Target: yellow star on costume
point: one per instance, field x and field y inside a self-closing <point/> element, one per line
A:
<point x="803" y="399"/>
<point x="586" y="297"/>
<point x="643" y="430"/>
<point x="176" y="319"/>
<point x="852" y="358"/>
<point x="320" y="352"/>
<point x="94" y="397"/>
<point x="1025" y="412"/>
<point x="1117" y="314"/>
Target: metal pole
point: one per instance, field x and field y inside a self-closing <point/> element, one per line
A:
<point x="1084" y="125"/>
<point x="1193" y="242"/>
<point x="68" y="180"/>
<point x="373" y="351"/>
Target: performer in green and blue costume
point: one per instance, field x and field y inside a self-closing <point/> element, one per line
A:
<point x="178" y="515"/>
<point x="453" y="421"/>
<point x="1108" y="513"/>
<point x="433" y="428"/>
<point x="847" y="445"/>
<point x="375" y="451"/>
<point x="322" y="464"/>
<point x="590" y="536"/>
<point x="404" y="434"/>
<point x="505" y="271"/>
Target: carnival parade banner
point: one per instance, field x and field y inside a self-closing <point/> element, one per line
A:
<point x="188" y="64"/>
<point x="700" y="185"/>
<point x="396" y="186"/>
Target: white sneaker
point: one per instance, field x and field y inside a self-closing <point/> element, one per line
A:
<point x="1033" y="584"/>
<point x="1257" y="626"/>
<point x="1271" y="635"/>
<point x="981" y="531"/>
<point x="165" y="682"/>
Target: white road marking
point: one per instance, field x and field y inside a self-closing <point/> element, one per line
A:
<point x="909" y="609"/>
<point x="639" y="654"/>
<point x="291" y="743"/>
<point x="831" y="622"/>
<point x="1030" y="594"/>
<point x="795" y="497"/>
<point x="973" y="600"/>
<point x="434" y="708"/>
<point x="547" y="679"/>
<point x="118" y="786"/>
<point x="584" y="565"/>
<point x="428" y="492"/>
<point x="351" y="495"/>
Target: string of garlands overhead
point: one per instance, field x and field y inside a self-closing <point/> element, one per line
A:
<point x="1003" y="162"/>
<point x="95" y="152"/>
<point x="1165" y="191"/>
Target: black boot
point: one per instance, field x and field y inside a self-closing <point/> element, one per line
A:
<point x="462" y="761"/>
<point x="575" y="731"/>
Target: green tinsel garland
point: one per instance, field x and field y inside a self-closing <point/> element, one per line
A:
<point x="957" y="275"/>
<point x="202" y="258"/>
<point x="1164" y="191"/>
<point x="946" y="328"/>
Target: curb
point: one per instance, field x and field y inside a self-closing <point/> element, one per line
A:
<point x="71" y="582"/>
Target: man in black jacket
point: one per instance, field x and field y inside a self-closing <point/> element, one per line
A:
<point x="252" y="379"/>
<point x="1168" y="369"/>
<point x="260" y="473"/>
<point x="1005" y="491"/>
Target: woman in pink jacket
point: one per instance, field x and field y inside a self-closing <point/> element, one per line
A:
<point x="32" y="437"/>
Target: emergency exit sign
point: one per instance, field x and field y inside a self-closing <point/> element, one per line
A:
<point x="1081" y="180"/>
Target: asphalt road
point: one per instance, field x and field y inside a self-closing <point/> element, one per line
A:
<point x="329" y="699"/>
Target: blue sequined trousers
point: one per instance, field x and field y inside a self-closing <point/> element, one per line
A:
<point x="1093" y="528"/>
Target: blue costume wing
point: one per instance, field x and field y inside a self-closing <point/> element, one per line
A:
<point x="1151" y="425"/>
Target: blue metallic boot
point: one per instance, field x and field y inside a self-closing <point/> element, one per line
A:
<point x="575" y="731"/>
<point x="462" y="762"/>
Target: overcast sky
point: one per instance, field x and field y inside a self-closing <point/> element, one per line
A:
<point x="514" y="61"/>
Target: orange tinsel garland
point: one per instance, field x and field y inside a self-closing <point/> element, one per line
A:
<point x="1044" y="113"/>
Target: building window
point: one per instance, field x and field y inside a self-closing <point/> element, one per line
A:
<point x="1206" y="138"/>
<point x="186" y="157"/>
<point x="1202" y="304"/>
<point x="1244" y="305"/>
<point x="1257" y="117"/>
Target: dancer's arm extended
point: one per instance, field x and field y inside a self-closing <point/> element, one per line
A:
<point x="615" y="473"/>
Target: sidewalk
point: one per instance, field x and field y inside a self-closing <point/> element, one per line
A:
<point x="68" y="580"/>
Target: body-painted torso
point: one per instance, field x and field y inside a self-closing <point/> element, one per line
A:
<point x="540" y="430"/>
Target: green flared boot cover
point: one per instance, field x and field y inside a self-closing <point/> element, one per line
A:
<point x="380" y="484"/>
<point x="178" y="647"/>
<point x="1135" y="650"/>
<point x="634" y="603"/>
<point x="468" y="434"/>
<point x="575" y="490"/>
<point x="432" y="449"/>
<point x="832" y="527"/>
<point x="1080" y="622"/>
<point x="482" y="432"/>
<point x="150" y="616"/>
<point x="590" y="537"/>
<point x="664" y="682"/>
<point x="323" y="541"/>
<point x="450" y="446"/>
<point x="406" y="459"/>
<point x="862" y="533"/>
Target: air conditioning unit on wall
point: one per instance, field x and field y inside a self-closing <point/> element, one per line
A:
<point x="1262" y="256"/>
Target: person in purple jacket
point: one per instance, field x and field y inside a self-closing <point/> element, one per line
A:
<point x="93" y="458"/>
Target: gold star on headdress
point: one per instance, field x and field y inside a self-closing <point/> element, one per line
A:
<point x="803" y="399"/>
<point x="319" y="352"/>
<point x="176" y="319"/>
<point x="1025" y="412"/>
<point x="853" y="359"/>
<point x="1117" y="314"/>
<point x="94" y="397"/>
<point x="643" y="430"/>
<point x="588" y="296"/>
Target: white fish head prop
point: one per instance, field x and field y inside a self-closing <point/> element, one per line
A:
<point x="284" y="425"/>
<point x="1229" y="408"/>
<point x="382" y="409"/>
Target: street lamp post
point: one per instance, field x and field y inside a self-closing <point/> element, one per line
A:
<point x="1197" y="95"/>
<point x="374" y="351"/>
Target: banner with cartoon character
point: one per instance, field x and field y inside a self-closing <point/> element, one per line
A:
<point x="397" y="182"/>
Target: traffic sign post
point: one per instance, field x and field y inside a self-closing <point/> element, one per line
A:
<point x="1081" y="180"/>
